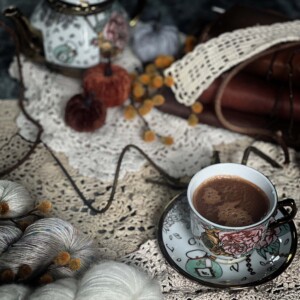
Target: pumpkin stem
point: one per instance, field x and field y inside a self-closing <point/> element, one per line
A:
<point x="108" y="70"/>
<point x="156" y="25"/>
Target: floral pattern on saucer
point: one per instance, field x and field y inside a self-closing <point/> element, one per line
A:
<point x="179" y="247"/>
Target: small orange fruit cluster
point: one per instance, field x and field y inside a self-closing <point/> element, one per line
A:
<point x="145" y="94"/>
<point x="197" y="108"/>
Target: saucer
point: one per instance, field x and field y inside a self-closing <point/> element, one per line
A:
<point x="189" y="259"/>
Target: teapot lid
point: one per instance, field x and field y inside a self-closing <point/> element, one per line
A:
<point x="80" y="7"/>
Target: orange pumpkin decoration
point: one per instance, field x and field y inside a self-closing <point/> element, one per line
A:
<point x="84" y="113"/>
<point x="110" y="83"/>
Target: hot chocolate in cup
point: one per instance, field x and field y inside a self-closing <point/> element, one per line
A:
<point x="232" y="207"/>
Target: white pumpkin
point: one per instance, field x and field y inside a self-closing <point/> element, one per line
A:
<point x="15" y="200"/>
<point x="152" y="39"/>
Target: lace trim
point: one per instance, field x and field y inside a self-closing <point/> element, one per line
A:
<point x="198" y="69"/>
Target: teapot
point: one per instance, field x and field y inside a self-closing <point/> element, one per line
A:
<point x="73" y="34"/>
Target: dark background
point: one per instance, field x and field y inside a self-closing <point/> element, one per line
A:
<point x="189" y="16"/>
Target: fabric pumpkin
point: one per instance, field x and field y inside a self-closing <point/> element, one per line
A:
<point x="84" y="113"/>
<point x="108" y="83"/>
<point x="153" y="39"/>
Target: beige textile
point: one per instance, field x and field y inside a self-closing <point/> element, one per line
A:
<point x="127" y="231"/>
<point x="198" y="69"/>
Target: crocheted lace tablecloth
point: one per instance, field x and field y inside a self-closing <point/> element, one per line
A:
<point x="47" y="94"/>
<point x="127" y="231"/>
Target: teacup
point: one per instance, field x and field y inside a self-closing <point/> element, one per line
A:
<point x="232" y="244"/>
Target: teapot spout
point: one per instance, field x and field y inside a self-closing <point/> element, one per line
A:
<point x="30" y="39"/>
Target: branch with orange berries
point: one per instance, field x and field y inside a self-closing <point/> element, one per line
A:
<point x="145" y="96"/>
<point x="22" y="222"/>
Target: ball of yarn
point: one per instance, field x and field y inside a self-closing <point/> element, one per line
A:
<point x="8" y="235"/>
<point x="49" y="246"/>
<point x="153" y="39"/>
<point x="15" y="200"/>
<point x="52" y="252"/>
<point x="109" y="83"/>
<point x="84" y="113"/>
<point x="63" y="289"/>
<point x="106" y="281"/>
<point x="14" y="292"/>
<point x="114" y="280"/>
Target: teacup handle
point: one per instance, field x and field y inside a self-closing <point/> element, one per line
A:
<point x="290" y="215"/>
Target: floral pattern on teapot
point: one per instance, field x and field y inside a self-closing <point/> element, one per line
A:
<point x="75" y="41"/>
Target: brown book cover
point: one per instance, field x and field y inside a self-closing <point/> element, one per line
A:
<point x="291" y="131"/>
<point x="261" y="95"/>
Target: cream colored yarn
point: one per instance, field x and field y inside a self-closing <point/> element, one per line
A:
<point x="49" y="246"/>
<point x="16" y="197"/>
<point x="117" y="281"/>
<point x="105" y="281"/>
<point x="39" y="247"/>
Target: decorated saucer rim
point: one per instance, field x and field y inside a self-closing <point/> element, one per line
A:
<point x="175" y="266"/>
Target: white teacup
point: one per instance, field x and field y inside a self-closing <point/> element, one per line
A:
<point x="232" y="244"/>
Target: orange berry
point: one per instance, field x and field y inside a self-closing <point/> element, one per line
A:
<point x="149" y="136"/>
<point x="24" y="271"/>
<point x="144" y="79"/>
<point x="4" y="208"/>
<point x="167" y="140"/>
<point x="62" y="258"/>
<point x="7" y="275"/>
<point x="129" y="112"/>
<point x="193" y="120"/>
<point x="144" y="110"/>
<point x="190" y="43"/>
<point x="197" y="107"/>
<point x="163" y="61"/>
<point x="148" y="103"/>
<point x="44" y="207"/>
<point x="157" y="81"/>
<point x="158" y="100"/>
<point x="46" y="278"/>
<point x="169" y="81"/>
<point x="74" y="264"/>
<point x="138" y="91"/>
<point x="150" y="69"/>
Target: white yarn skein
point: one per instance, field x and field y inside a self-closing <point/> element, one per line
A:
<point x="14" y="292"/>
<point x="105" y="281"/>
<point x="8" y="236"/>
<point x="17" y="197"/>
<point x="42" y="241"/>
<point x="117" y="281"/>
<point x="63" y="289"/>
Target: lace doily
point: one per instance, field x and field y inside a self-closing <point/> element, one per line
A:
<point x="133" y="217"/>
<point x="47" y="94"/>
<point x="175" y="286"/>
<point x="199" y="68"/>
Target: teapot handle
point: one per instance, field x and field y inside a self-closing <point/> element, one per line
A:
<point x="137" y="12"/>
